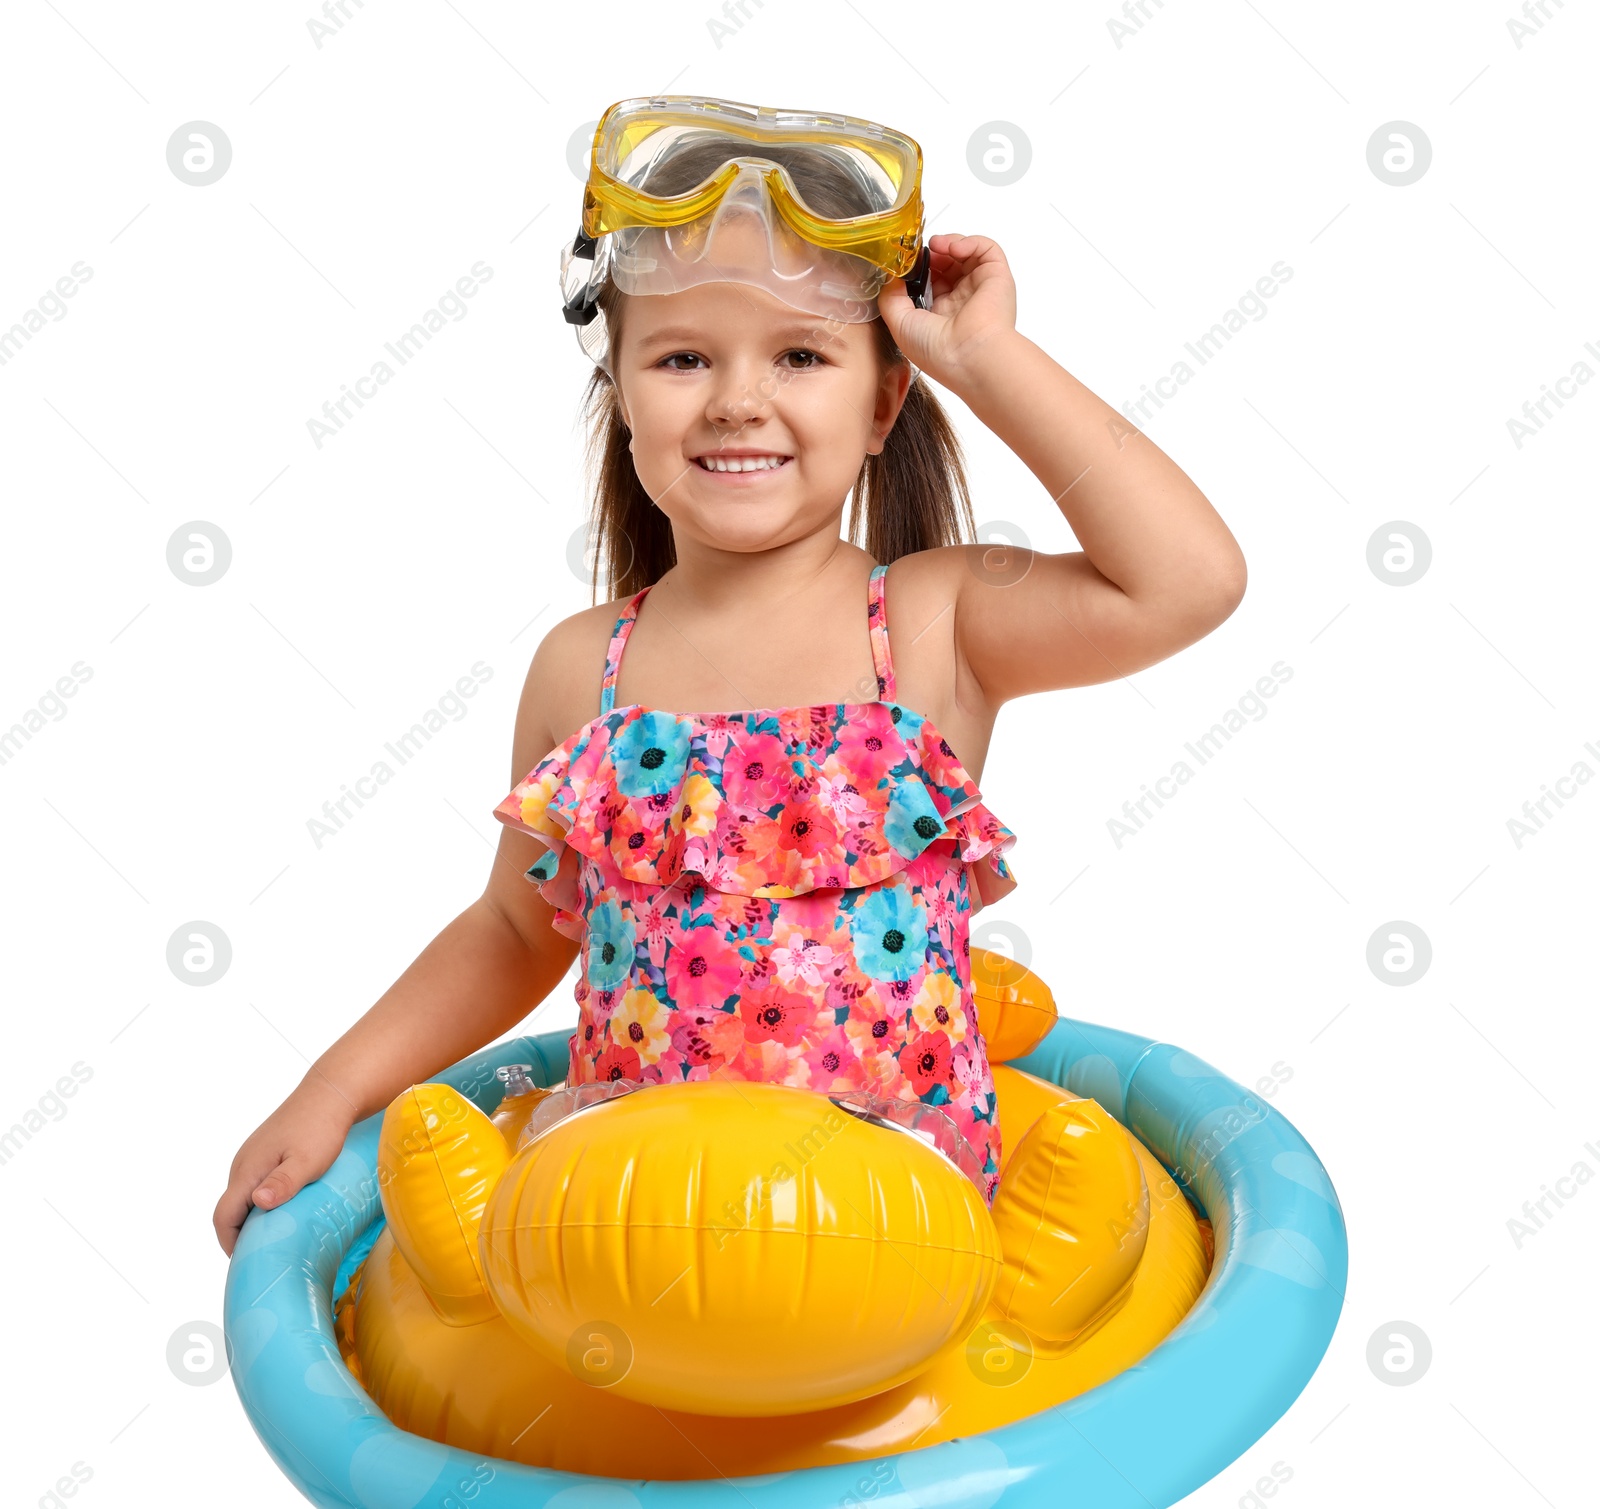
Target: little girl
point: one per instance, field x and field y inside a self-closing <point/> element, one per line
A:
<point x="780" y="891"/>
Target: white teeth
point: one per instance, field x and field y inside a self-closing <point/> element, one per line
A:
<point x="742" y="463"/>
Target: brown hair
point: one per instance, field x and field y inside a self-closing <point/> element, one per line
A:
<point x="913" y="496"/>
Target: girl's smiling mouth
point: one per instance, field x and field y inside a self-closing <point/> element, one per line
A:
<point x="743" y="463"/>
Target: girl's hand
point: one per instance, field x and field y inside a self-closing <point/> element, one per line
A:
<point x="974" y="301"/>
<point x="293" y="1146"/>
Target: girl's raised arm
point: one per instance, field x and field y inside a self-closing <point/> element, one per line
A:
<point x="1159" y="569"/>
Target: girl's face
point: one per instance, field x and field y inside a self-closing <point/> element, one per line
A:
<point x="725" y="375"/>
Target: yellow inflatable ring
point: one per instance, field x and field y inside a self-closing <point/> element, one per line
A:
<point x="472" y="1384"/>
<point x="305" y="1278"/>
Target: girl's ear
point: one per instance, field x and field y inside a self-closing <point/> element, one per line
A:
<point x="892" y="390"/>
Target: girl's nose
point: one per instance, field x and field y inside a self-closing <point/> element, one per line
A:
<point x="737" y="399"/>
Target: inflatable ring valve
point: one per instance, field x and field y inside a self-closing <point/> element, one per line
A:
<point x="521" y="1099"/>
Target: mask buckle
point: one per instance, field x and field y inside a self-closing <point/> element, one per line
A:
<point x="580" y="307"/>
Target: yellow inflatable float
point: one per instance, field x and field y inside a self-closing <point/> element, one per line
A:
<point x="632" y="1282"/>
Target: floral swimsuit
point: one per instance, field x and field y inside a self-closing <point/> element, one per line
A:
<point x="780" y="894"/>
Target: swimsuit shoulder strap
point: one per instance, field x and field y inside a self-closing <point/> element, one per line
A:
<point x="619" y="638"/>
<point x="878" y="626"/>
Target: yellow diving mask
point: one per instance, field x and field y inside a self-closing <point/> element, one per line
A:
<point x="820" y="210"/>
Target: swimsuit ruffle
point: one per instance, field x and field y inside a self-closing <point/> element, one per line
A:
<point x="647" y="793"/>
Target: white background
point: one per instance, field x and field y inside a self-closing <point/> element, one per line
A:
<point x="1167" y="175"/>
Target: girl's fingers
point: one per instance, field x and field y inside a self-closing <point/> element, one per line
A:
<point x="959" y="246"/>
<point x="250" y="1189"/>
<point x="287" y="1179"/>
<point x="229" y="1217"/>
<point x="958" y="266"/>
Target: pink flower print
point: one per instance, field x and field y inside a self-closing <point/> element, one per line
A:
<point x="863" y="759"/>
<point x="702" y="969"/>
<point x="696" y="859"/>
<point x="719" y="871"/>
<point x="584" y="803"/>
<point x="834" y="1063"/>
<point x="867" y="740"/>
<point x="851" y="983"/>
<point x="936" y="874"/>
<point x="899" y="994"/>
<point x="651" y="923"/>
<point x="840" y="796"/>
<point x="648" y="906"/>
<point x="843" y="988"/>
<point x="988" y="829"/>
<point x="808" y="961"/>
<point x="812" y="914"/>
<point x="756" y="772"/>
<point x="968" y="1074"/>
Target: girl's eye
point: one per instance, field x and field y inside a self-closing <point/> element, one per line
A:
<point x="688" y="361"/>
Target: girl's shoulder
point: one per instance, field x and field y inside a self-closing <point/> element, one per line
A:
<point x="562" y="690"/>
<point x="589" y="629"/>
<point x="924" y="596"/>
<point x="934" y="573"/>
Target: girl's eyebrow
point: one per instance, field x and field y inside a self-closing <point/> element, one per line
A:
<point x="673" y="333"/>
<point x="668" y="334"/>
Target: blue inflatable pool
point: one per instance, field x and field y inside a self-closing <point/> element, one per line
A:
<point x="1143" y="1440"/>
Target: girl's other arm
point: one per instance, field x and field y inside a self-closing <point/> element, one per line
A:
<point x="1159" y="569"/>
<point x="486" y="971"/>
